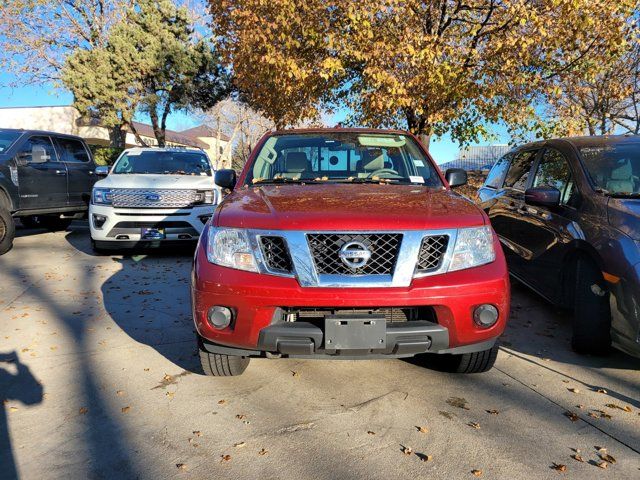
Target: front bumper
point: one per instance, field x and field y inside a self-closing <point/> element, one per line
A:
<point x="256" y="298"/>
<point x="123" y="226"/>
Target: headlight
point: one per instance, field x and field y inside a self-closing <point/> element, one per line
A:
<point x="102" y="196"/>
<point x="474" y="246"/>
<point x="229" y="247"/>
<point x="205" y="196"/>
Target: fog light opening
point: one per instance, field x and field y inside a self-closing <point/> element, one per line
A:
<point x="485" y="315"/>
<point x="99" y="221"/>
<point x="220" y="317"/>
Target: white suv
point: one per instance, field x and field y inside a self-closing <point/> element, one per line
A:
<point x="152" y="196"/>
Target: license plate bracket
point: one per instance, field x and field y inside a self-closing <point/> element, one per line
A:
<point x="152" y="233"/>
<point x="355" y="332"/>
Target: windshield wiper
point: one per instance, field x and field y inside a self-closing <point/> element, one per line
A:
<point x="267" y="181"/>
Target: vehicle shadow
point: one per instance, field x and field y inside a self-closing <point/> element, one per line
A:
<point x="22" y="387"/>
<point x="148" y="297"/>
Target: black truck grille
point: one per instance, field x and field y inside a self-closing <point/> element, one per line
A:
<point x="432" y="252"/>
<point x="276" y="254"/>
<point x="325" y="250"/>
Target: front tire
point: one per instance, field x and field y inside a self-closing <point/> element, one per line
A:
<point x="7" y="230"/>
<point x="591" y="311"/>
<point x="219" y="365"/>
<point x="474" y="362"/>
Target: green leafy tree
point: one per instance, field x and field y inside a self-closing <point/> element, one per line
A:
<point x="153" y="63"/>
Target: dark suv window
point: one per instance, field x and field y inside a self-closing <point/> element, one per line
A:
<point x="496" y="176"/>
<point x="554" y="171"/>
<point x="37" y="150"/>
<point x="519" y="170"/>
<point x="73" y="150"/>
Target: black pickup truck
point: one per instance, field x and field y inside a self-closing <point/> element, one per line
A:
<point x="45" y="180"/>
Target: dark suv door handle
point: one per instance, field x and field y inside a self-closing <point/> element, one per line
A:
<point x="61" y="172"/>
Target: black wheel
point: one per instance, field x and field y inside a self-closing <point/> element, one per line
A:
<point x="591" y="311"/>
<point x="55" y="224"/>
<point x="218" y="365"/>
<point x="7" y="230"/>
<point x="30" y="221"/>
<point x="475" y="362"/>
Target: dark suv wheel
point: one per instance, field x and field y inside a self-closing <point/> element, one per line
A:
<point x="7" y="230"/>
<point x="591" y="311"/>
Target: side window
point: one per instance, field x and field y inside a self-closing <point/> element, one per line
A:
<point x="496" y="176"/>
<point x="554" y="171"/>
<point x="73" y="150"/>
<point x="38" y="150"/>
<point x="519" y="170"/>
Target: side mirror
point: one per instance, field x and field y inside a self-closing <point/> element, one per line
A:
<point x="102" y="170"/>
<point x="23" y="158"/>
<point x="542" y="196"/>
<point x="456" y="177"/>
<point x="226" y="178"/>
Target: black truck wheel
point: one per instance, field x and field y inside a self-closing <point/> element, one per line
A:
<point x="475" y="362"/>
<point x="55" y="224"/>
<point x="7" y="230"/>
<point x="218" y="365"/>
<point x="591" y="311"/>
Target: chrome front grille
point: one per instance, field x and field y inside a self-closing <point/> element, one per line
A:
<point x="153" y="198"/>
<point x="276" y="254"/>
<point x="432" y="251"/>
<point x="383" y="247"/>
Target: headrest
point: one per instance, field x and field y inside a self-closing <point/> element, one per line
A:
<point x="623" y="171"/>
<point x="295" y="162"/>
<point x="372" y="160"/>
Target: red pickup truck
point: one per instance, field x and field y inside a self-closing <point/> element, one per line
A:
<point x="347" y="243"/>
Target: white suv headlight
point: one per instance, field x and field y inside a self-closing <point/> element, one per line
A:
<point x="229" y="247"/>
<point x="474" y="247"/>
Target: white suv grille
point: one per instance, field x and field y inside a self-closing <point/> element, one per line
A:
<point x="160" y="198"/>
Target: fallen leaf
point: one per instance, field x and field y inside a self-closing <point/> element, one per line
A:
<point x="294" y="374"/>
<point x="240" y="416"/>
<point x="119" y="393"/>
<point x="581" y="407"/>
<point x="573" y="390"/>
<point x="476" y="473"/>
<point x="493" y="412"/>
<point x="407" y="450"/>
<point x="559" y="467"/>
<point x="475" y="425"/>
<point x="83" y="410"/>
<point x="602" y="464"/>
<point x="625" y="408"/>
<point x="426" y="458"/>
<point x="170" y="394"/>
<point x="263" y="452"/>
<point x="607" y="458"/>
<point x="422" y="429"/>
<point x="181" y="466"/>
<point x="221" y="402"/>
<point x="371" y="432"/>
<point x="240" y="444"/>
<point x="601" y="390"/>
<point x="572" y="416"/>
<point x="225" y="458"/>
<point x="600" y="449"/>
<point x="15" y="409"/>
<point x="577" y="457"/>
<point x="146" y="369"/>
<point x="197" y="433"/>
<point x="126" y="409"/>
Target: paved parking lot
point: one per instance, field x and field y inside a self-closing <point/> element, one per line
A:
<point x="99" y="379"/>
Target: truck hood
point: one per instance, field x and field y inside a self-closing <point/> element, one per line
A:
<point x="156" y="181"/>
<point x="624" y="214"/>
<point x="346" y="207"/>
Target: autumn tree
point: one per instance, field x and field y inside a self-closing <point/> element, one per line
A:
<point x="431" y="66"/>
<point x="152" y="62"/>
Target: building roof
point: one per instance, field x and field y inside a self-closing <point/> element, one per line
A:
<point x="170" y="135"/>
<point x="205" y="131"/>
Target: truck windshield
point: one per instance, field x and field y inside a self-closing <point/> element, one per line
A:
<point x="614" y="169"/>
<point x="163" y="163"/>
<point x="7" y="139"/>
<point x="342" y="157"/>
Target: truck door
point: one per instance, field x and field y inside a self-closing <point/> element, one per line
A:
<point x="42" y="177"/>
<point x="80" y="169"/>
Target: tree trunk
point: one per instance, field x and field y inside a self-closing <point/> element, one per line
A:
<point x="137" y="135"/>
<point x="158" y="132"/>
<point x="118" y="136"/>
<point x="425" y="139"/>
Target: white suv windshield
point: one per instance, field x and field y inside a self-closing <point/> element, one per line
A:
<point x="163" y="163"/>
<point x="342" y="157"/>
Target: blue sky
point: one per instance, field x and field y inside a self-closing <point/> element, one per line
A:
<point x="442" y="149"/>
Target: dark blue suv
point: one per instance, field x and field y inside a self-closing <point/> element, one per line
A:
<point x="567" y="212"/>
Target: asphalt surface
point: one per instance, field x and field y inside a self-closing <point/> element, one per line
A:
<point x="99" y="379"/>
